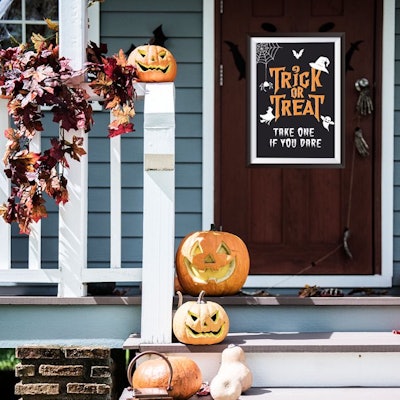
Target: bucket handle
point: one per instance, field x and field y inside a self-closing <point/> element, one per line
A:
<point x="133" y="361"/>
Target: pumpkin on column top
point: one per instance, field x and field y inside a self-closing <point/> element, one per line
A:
<point x="153" y="63"/>
<point x="215" y="261"/>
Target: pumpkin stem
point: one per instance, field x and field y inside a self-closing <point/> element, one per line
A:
<point x="200" y="299"/>
<point x="180" y="298"/>
<point x="212" y="228"/>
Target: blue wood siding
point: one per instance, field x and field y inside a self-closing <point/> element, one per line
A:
<point x="124" y="23"/>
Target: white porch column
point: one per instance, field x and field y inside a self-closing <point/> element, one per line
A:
<point x="73" y="215"/>
<point x="5" y="229"/>
<point x="158" y="213"/>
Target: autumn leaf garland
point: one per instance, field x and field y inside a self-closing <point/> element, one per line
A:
<point x="35" y="78"/>
<point x="113" y="80"/>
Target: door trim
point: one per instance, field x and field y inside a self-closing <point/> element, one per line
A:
<point x="289" y="281"/>
<point x="208" y="119"/>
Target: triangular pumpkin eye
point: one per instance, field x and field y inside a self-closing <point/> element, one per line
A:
<point x="193" y="316"/>
<point x="162" y="54"/>
<point x="223" y="249"/>
<point x="196" y="249"/>
<point x="142" y="53"/>
<point x="214" y="316"/>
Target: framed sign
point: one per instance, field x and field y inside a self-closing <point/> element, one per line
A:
<point x="296" y="102"/>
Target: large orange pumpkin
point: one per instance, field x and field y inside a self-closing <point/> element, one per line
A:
<point x="215" y="261"/>
<point x="155" y="373"/>
<point x="200" y="322"/>
<point x="153" y="63"/>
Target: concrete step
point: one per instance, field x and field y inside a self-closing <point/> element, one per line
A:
<point x="310" y="314"/>
<point x="301" y="393"/>
<point x="345" y="393"/>
<point x="321" y="359"/>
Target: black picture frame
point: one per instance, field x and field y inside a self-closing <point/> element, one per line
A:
<point x="296" y="105"/>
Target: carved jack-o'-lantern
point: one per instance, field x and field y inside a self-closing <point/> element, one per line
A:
<point x="200" y="322"/>
<point x="153" y="63"/>
<point x="215" y="261"/>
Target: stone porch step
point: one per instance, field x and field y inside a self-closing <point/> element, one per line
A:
<point x="321" y="359"/>
<point x="389" y="393"/>
<point x="301" y="393"/>
<point x="284" y="342"/>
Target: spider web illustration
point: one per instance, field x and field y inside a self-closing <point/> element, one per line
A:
<point x="265" y="52"/>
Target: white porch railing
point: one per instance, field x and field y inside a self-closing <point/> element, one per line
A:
<point x="157" y="272"/>
<point x="72" y="274"/>
<point x="158" y="241"/>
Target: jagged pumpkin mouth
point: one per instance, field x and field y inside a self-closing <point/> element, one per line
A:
<point x="205" y="275"/>
<point x="194" y="333"/>
<point x="146" y="68"/>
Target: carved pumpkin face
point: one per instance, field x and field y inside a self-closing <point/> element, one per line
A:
<point x="214" y="261"/>
<point x="200" y="322"/>
<point x="153" y="63"/>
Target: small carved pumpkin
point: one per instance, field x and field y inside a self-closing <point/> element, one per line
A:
<point x="215" y="261"/>
<point x="153" y="63"/>
<point x="200" y="322"/>
<point x="154" y="373"/>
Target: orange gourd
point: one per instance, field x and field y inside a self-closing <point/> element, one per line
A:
<point x="215" y="261"/>
<point x="154" y="373"/>
<point x="153" y="63"/>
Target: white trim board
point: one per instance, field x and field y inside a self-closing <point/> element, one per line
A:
<point x="208" y="113"/>
<point x="268" y="281"/>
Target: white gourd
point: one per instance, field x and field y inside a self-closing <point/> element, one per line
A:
<point x="233" y="377"/>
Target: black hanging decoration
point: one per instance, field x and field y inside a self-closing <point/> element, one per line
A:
<point x="131" y="48"/>
<point x="349" y="54"/>
<point x="159" y="38"/>
<point x="94" y="53"/>
<point x="268" y="27"/>
<point x="326" y="27"/>
<point x="238" y="59"/>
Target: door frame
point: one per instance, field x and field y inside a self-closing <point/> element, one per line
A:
<point x="384" y="279"/>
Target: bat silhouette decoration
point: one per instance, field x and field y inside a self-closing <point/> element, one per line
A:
<point x="354" y="46"/>
<point x="238" y="59"/>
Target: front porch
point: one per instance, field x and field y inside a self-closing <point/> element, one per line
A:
<point x="291" y="342"/>
<point x="307" y="346"/>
